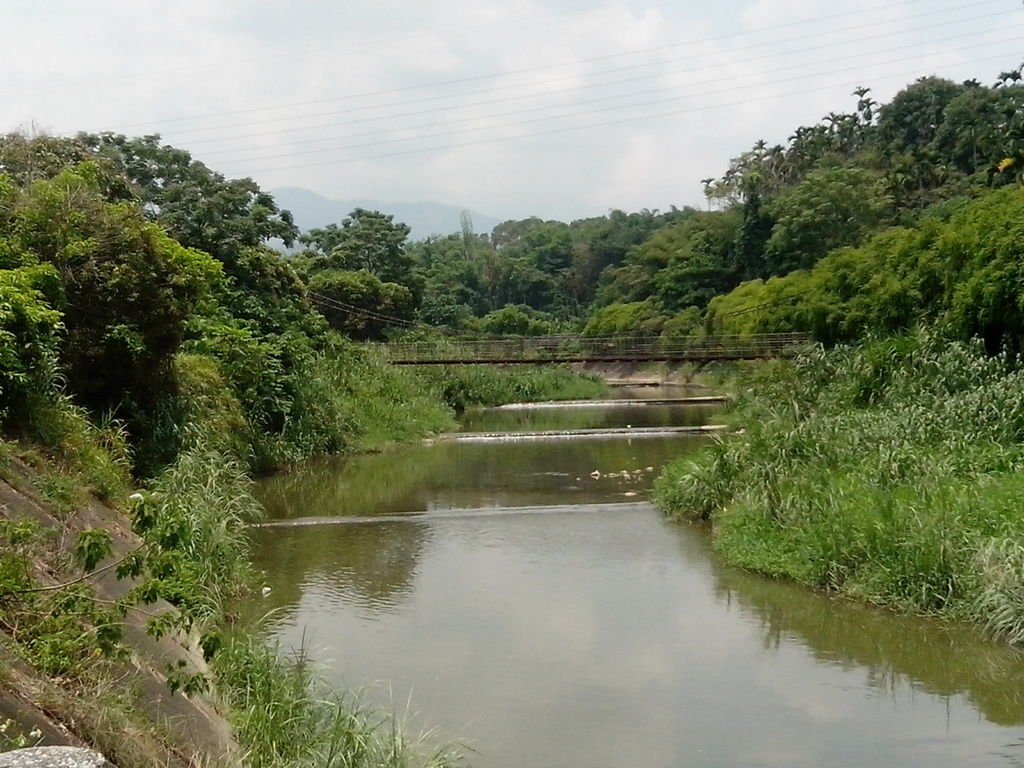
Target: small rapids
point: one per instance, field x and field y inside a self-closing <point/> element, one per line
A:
<point x="456" y="514"/>
<point x="573" y="434"/>
<point x="606" y="404"/>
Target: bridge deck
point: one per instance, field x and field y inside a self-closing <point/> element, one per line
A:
<point x="578" y="349"/>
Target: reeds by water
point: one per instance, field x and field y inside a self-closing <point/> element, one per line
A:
<point x="890" y="472"/>
<point x="285" y="718"/>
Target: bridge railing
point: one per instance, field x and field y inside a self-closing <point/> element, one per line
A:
<point x="568" y="348"/>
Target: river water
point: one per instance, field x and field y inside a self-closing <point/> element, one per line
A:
<point x="523" y="598"/>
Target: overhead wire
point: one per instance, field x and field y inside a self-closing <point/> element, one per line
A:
<point x="347" y="307"/>
<point x="320" y="302"/>
<point x="588" y="86"/>
<point x="570" y="115"/>
<point x="601" y="124"/>
<point x="343" y="306"/>
<point x="764" y="305"/>
<point x="574" y="62"/>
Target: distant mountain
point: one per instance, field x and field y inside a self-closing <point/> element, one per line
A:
<point x="312" y="210"/>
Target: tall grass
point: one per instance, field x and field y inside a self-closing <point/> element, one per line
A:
<point x="203" y="504"/>
<point x="461" y="386"/>
<point x="350" y="400"/>
<point x="888" y="471"/>
<point x="92" y="456"/>
<point x="285" y="718"/>
<point x="346" y="398"/>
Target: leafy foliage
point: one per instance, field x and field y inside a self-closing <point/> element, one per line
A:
<point x="516" y="321"/>
<point x="830" y="208"/>
<point x="124" y="289"/>
<point x="359" y="304"/>
<point x="29" y="338"/>
<point x="963" y="272"/>
<point x="200" y="208"/>
<point x="366" y="240"/>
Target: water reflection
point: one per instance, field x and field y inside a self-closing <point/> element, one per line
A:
<point x="461" y="476"/>
<point x="597" y="635"/>
<point x="570" y="417"/>
<point x="368" y="567"/>
<point x="897" y="655"/>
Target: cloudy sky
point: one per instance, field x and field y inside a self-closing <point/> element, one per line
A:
<point x="555" y="108"/>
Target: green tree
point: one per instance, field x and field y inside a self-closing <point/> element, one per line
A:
<point x="982" y="253"/>
<point x="515" y="321"/>
<point x="830" y="208"/>
<point x="624" y="319"/>
<point x="233" y="220"/>
<point x="126" y="288"/>
<point x="359" y="304"/>
<point x="199" y="207"/>
<point x="29" y="338"/>
<point x="914" y="117"/>
<point x="366" y="240"/>
<point x="452" y="279"/>
<point x="514" y="281"/>
<point x="701" y="259"/>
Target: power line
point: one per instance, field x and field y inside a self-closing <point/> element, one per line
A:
<point x="621" y="121"/>
<point x="342" y="306"/>
<point x="346" y="307"/>
<point x="374" y="44"/>
<point x="298" y="129"/>
<point x="633" y="105"/>
<point x="576" y="62"/>
<point x="758" y="307"/>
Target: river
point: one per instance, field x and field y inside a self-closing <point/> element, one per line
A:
<point x="526" y="600"/>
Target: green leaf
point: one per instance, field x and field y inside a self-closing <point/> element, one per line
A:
<point x="92" y="547"/>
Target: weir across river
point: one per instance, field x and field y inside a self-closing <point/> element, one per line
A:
<point x="599" y="349"/>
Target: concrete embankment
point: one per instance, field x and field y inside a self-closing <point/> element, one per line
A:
<point x="152" y="725"/>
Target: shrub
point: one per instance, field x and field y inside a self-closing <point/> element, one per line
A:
<point x="29" y="338"/>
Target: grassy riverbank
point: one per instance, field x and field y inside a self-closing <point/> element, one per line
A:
<point x="155" y="355"/>
<point x="889" y="472"/>
<point x="179" y="539"/>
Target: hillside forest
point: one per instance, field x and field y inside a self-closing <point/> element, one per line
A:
<point x="117" y="254"/>
<point x="874" y="219"/>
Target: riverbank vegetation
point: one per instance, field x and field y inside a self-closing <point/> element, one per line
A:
<point x="154" y="355"/>
<point x="156" y="352"/>
<point x="889" y="472"/>
<point x="884" y="463"/>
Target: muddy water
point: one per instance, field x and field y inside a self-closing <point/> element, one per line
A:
<point x="548" y="617"/>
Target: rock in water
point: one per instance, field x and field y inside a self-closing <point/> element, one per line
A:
<point x="53" y="757"/>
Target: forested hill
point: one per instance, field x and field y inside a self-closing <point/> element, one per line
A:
<point x="873" y="218"/>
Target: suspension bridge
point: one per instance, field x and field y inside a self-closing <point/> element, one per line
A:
<point x="601" y="349"/>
